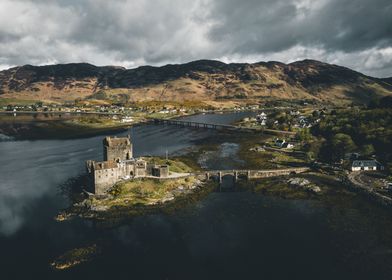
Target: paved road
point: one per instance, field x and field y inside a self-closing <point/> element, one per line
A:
<point x="357" y="178"/>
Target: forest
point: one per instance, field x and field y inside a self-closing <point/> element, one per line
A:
<point x="367" y="131"/>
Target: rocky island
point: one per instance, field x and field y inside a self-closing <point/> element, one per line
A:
<point x="122" y="182"/>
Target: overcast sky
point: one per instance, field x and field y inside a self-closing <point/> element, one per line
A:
<point x="353" y="33"/>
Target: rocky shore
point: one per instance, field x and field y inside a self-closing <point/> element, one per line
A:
<point x="138" y="197"/>
<point x="304" y="184"/>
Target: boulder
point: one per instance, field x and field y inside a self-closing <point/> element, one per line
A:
<point x="99" y="208"/>
<point x="304" y="184"/>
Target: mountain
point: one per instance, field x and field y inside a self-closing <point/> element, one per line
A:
<point x="203" y="80"/>
<point x="387" y="80"/>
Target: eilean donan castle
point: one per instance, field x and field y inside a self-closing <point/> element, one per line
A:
<point x="119" y="164"/>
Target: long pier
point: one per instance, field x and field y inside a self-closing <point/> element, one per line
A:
<point x="184" y="123"/>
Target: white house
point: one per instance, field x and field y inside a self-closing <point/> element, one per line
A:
<point x="262" y="118"/>
<point x="287" y="145"/>
<point x="366" y="165"/>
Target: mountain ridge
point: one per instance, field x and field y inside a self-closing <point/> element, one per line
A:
<point x="195" y="80"/>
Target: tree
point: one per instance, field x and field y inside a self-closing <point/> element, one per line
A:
<point x="367" y="150"/>
<point x="340" y="145"/>
<point x="303" y="135"/>
<point x="312" y="149"/>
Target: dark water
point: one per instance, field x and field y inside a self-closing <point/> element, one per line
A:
<point x="228" y="235"/>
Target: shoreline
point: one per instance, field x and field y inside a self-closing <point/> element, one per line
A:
<point x="118" y="214"/>
<point x="63" y="128"/>
<point x="368" y="192"/>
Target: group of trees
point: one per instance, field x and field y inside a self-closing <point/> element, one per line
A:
<point x="367" y="131"/>
<point x="303" y="135"/>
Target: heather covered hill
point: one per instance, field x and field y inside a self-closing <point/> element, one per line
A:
<point x="203" y="80"/>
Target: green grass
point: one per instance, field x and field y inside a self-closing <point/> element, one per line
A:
<point x="279" y="187"/>
<point x="142" y="192"/>
<point x="14" y="101"/>
<point x="266" y="159"/>
<point x="332" y="189"/>
<point x="174" y="165"/>
<point x="93" y="122"/>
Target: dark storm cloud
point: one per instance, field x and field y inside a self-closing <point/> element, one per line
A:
<point x="274" y="25"/>
<point x="354" y="33"/>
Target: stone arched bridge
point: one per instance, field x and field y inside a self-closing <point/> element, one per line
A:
<point x="253" y="174"/>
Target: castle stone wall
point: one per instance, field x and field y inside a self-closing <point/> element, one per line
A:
<point x="117" y="149"/>
<point x="105" y="179"/>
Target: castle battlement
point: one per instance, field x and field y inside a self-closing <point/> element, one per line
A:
<point x="117" y="149"/>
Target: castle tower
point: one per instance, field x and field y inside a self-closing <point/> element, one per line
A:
<point x="117" y="149"/>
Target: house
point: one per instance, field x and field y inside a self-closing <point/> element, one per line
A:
<point x="303" y="122"/>
<point x="279" y="142"/>
<point x="366" y="165"/>
<point x="161" y="171"/>
<point x="262" y="118"/>
<point x="287" y="145"/>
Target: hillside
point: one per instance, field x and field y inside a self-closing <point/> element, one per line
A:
<point x="202" y="80"/>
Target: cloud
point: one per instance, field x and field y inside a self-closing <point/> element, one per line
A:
<point x="137" y="32"/>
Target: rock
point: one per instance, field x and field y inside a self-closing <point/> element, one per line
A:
<point x="169" y="197"/>
<point x="63" y="216"/>
<point x="314" y="189"/>
<point x="298" y="182"/>
<point x="99" y="208"/>
<point x="257" y="149"/>
<point x="304" y="184"/>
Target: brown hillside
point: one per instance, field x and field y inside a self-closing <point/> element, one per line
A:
<point x="202" y="80"/>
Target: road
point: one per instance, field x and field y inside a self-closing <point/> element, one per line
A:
<point x="358" y="179"/>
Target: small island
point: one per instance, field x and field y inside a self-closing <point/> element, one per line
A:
<point x="121" y="186"/>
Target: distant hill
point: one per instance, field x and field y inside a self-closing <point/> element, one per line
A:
<point x="203" y="80"/>
<point x="388" y="80"/>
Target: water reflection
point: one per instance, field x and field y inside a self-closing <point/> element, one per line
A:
<point x="31" y="170"/>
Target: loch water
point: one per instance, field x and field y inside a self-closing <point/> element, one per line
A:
<point x="227" y="235"/>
